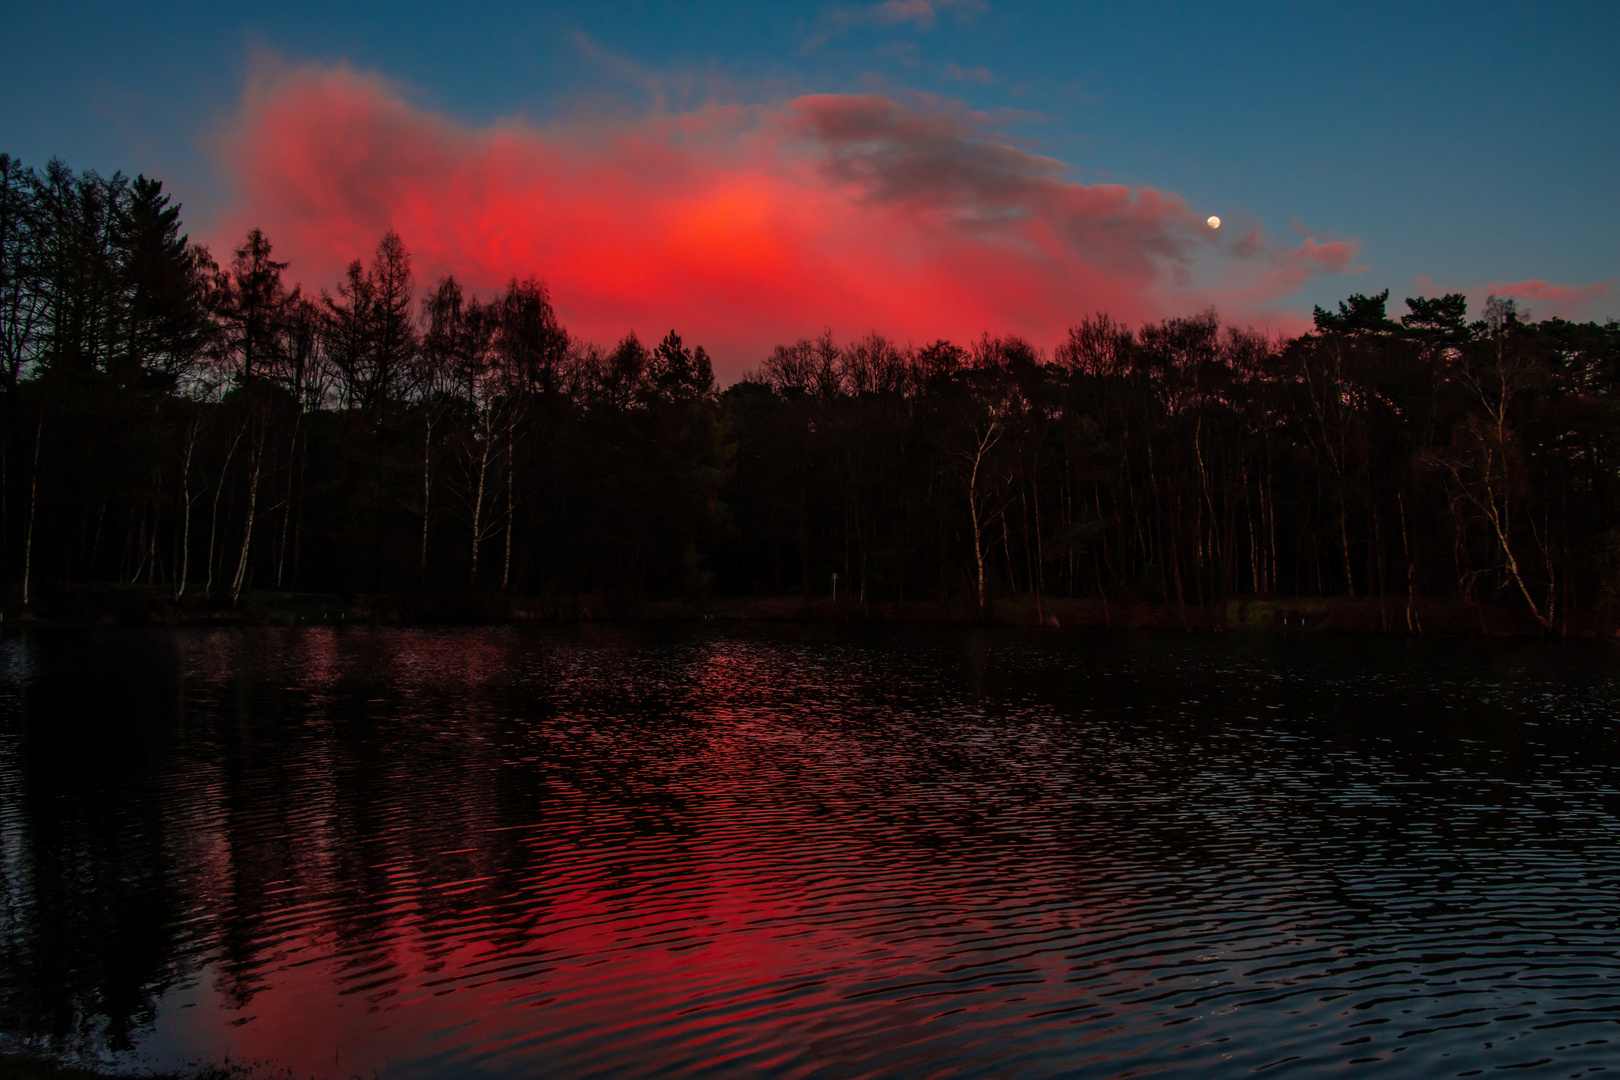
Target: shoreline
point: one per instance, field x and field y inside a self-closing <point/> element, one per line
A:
<point x="149" y="606"/>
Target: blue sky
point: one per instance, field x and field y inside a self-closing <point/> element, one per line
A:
<point x="1457" y="144"/>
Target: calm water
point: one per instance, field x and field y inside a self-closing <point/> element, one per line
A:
<point x="809" y="852"/>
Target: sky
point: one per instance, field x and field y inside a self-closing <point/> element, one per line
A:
<point x="751" y="174"/>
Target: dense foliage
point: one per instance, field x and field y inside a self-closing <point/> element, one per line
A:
<point x="172" y="421"/>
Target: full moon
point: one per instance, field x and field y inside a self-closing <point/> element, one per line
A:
<point x="1214" y="222"/>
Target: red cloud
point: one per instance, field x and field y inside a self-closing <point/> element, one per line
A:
<point x="739" y="226"/>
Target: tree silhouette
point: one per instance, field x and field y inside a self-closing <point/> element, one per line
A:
<point x="205" y="431"/>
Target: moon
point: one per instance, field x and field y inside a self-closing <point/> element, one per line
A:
<point x="1214" y="222"/>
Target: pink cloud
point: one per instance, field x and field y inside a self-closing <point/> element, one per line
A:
<point x="1578" y="302"/>
<point x="740" y="226"/>
<point x="922" y="12"/>
<point x="1261" y="271"/>
<point x="1541" y="290"/>
<point x="980" y="75"/>
<point x="1332" y="257"/>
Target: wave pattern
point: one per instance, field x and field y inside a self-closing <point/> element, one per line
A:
<point x="797" y="852"/>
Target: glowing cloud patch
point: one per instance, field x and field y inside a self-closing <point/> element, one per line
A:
<point x="739" y="226"/>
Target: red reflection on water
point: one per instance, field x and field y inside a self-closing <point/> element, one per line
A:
<point x="718" y="888"/>
<point x="742" y="966"/>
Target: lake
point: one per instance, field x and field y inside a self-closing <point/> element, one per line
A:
<point x="798" y="851"/>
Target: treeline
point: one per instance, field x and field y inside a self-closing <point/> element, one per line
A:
<point x="210" y="429"/>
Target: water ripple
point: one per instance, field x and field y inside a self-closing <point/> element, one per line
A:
<point x="802" y="852"/>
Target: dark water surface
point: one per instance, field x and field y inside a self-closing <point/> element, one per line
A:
<point x="809" y="852"/>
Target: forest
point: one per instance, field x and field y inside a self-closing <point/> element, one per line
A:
<point x="203" y="428"/>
